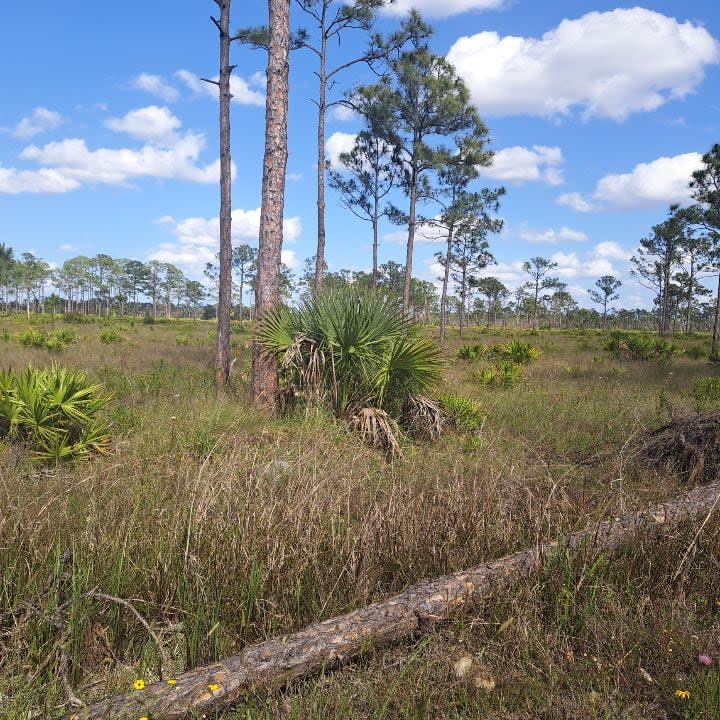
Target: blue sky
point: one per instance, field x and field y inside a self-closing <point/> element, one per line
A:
<point x="108" y="140"/>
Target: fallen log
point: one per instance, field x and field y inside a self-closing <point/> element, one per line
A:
<point x="329" y="642"/>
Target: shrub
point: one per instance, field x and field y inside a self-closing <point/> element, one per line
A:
<point x="627" y="346"/>
<point x="516" y="352"/>
<point x="696" y="352"/>
<point x="464" y="412"/>
<point x="473" y="352"/>
<point x="78" y="319"/>
<point x="349" y="351"/>
<point x="706" y="393"/>
<point x="4" y="335"/>
<point x="31" y="338"/>
<point x="54" y="412"/>
<point x="148" y="320"/>
<point x="109" y="336"/>
<point x="505" y="375"/>
<point x="181" y="339"/>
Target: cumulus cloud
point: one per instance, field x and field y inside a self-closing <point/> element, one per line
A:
<point x="343" y="113"/>
<point x="442" y="8"/>
<point x="155" y="85"/>
<point x="45" y="180"/>
<point x="152" y="124"/>
<point x="197" y="238"/>
<point x="518" y="165"/>
<point x="552" y="236"/>
<point x="239" y="88"/>
<point x="605" y="64"/>
<point x="660" y="182"/>
<point x="39" y="121"/>
<point x="72" y="163"/>
<point x="336" y="144"/>
<point x="575" y="201"/>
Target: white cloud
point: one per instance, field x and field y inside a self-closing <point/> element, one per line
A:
<point x="239" y="88"/>
<point x="607" y="64"/>
<point x="165" y="220"/>
<point x="258" y="79"/>
<point x="40" y="120"/>
<point x="342" y="113"/>
<point x="74" y="163"/>
<point x="151" y="124"/>
<point x="66" y="247"/>
<point x="155" y="85"/>
<point x="656" y="183"/>
<point x="337" y="143"/>
<point x="197" y="238"/>
<point x="518" y="165"/>
<point x="294" y="177"/>
<point x="612" y="251"/>
<point x="442" y="8"/>
<point x="289" y="258"/>
<point x="575" y="201"/>
<point x="552" y="236"/>
<point x="45" y="180"/>
<point x="659" y="182"/>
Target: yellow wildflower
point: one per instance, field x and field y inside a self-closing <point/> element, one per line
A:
<point x="171" y="681"/>
<point x="144" y="717"/>
<point x="213" y="687"/>
<point x="139" y="684"/>
<point x="682" y="694"/>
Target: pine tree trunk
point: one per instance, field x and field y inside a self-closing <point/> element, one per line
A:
<point x="320" y="254"/>
<point x="446" y="278"/>
<point x="410" y="240"/>
<point x="267" y="290"/>
<point x="222" y="357"/>
<point x="716" y="324"/>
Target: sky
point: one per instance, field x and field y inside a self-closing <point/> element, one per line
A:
<point x="598" y="114"/>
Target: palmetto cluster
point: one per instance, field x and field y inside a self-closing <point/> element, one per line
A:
<point x="54" y="412"/>
<point x="355" y="354"/>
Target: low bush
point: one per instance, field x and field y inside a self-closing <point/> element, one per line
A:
<point x="54" y="412"/>
<point x="181" y="339"/>
<point x="505" y="375"/>
<point x="110" y="336"/>
<point x="706" y="393"/>
<point x="473" y="352"/>
<point x="464" y="412"/>
<point x="31" y="338"/>
<point x="696" y="352"/>
<point x="517" y="352"/>
<point x="628" y="346"/>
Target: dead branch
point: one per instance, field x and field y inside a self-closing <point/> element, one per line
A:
<point x="330" y="642"/>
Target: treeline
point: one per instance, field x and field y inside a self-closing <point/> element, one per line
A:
<point x="106" y="286"/>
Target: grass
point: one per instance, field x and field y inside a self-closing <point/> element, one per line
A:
<point x="223" y="527"/>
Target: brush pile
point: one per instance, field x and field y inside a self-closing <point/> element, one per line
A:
<point x="687" y="446"/>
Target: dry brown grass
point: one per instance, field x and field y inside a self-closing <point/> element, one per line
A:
<point x="224" y="527"/>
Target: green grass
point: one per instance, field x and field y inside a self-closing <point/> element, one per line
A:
<point x="224" y="527"/>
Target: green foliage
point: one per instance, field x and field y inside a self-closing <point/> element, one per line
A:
<point x="504" y="374"/>
<point x="181" y="339"/>
<point x="78" y="319"/>
<point x="110" y="336"/>
<point x="464" y="412"/>
<point x="696" y="352"/>
<point x="349" y="350"/>
<point x="473" y="352"/>
<point x="516" y="352"/>
<point x="706" y="393"/>
<point x="54" y="412"/>
<point x="630" y="346"/>
<point x="31" y="338"/>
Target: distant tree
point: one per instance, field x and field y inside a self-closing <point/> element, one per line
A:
<point x="244" y="266"/>
<point x="369" y="172"/>
<point x="658" y="256"/>
<point x="267" y="287"/>
<point x="422" y="98"/>
<point x="562" y="304"/>
<point x="705" y="186"/>
<point x="495" y="292"/>
<point x="606" y="292"/>
<point x="696" y="259"/>
<point x="538" y="269"/>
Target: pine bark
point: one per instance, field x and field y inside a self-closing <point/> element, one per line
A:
<point x="322" y="107"/>
<point x="222" y="358"/>
<point x="267" y="291"/>
<point x="410" y="240"/>
<point x="326" y="643"/>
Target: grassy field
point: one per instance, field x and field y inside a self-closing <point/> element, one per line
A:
<point x="224" y="527"/>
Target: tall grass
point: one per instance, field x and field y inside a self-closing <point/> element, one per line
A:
<point x="223" y="527"/>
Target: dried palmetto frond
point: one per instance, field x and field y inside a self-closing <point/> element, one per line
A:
<point x="422" y="417"/>
<point x="377" y="429"/>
